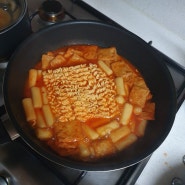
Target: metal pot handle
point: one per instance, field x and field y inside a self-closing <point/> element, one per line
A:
<point x="33" y="15"/>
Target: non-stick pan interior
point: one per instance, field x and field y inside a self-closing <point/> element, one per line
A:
<point x="128" y="45"/>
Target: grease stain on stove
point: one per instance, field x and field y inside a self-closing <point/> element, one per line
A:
<point x="167" y="165"/>
<point x="165" y="154"/>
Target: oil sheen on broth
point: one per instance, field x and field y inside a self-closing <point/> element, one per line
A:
<point x="87" y="102"/>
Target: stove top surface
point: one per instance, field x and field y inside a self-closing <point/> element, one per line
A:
<point x="58" y="174"/>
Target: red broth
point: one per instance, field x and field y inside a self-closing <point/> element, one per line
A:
<point x="87" y="102"/>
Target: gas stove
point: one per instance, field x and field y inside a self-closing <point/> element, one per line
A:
<point x="19" y="164"/>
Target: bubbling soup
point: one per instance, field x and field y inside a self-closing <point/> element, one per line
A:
<point x="87" y="102"/>
<point x="5" y="19"/>
<point x="10" y="11"/>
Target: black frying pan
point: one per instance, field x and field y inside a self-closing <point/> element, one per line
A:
<point x="138" y="52"/>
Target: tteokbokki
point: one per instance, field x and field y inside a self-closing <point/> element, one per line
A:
<point x="87" y="102"/>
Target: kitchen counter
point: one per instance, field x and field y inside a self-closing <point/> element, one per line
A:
<point x="161" y="22"/>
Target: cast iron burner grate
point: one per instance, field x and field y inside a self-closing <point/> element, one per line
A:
<point x="75" y="10"/>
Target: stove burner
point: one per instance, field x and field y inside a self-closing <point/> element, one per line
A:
<point x="51" y="11"/>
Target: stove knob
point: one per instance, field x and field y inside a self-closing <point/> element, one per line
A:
<point x="51" y="11"/>
<point x="177" y="181"/>
<point x="3" y="181"/>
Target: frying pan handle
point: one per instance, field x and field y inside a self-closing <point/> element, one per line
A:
<point x="7" y="131"/>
